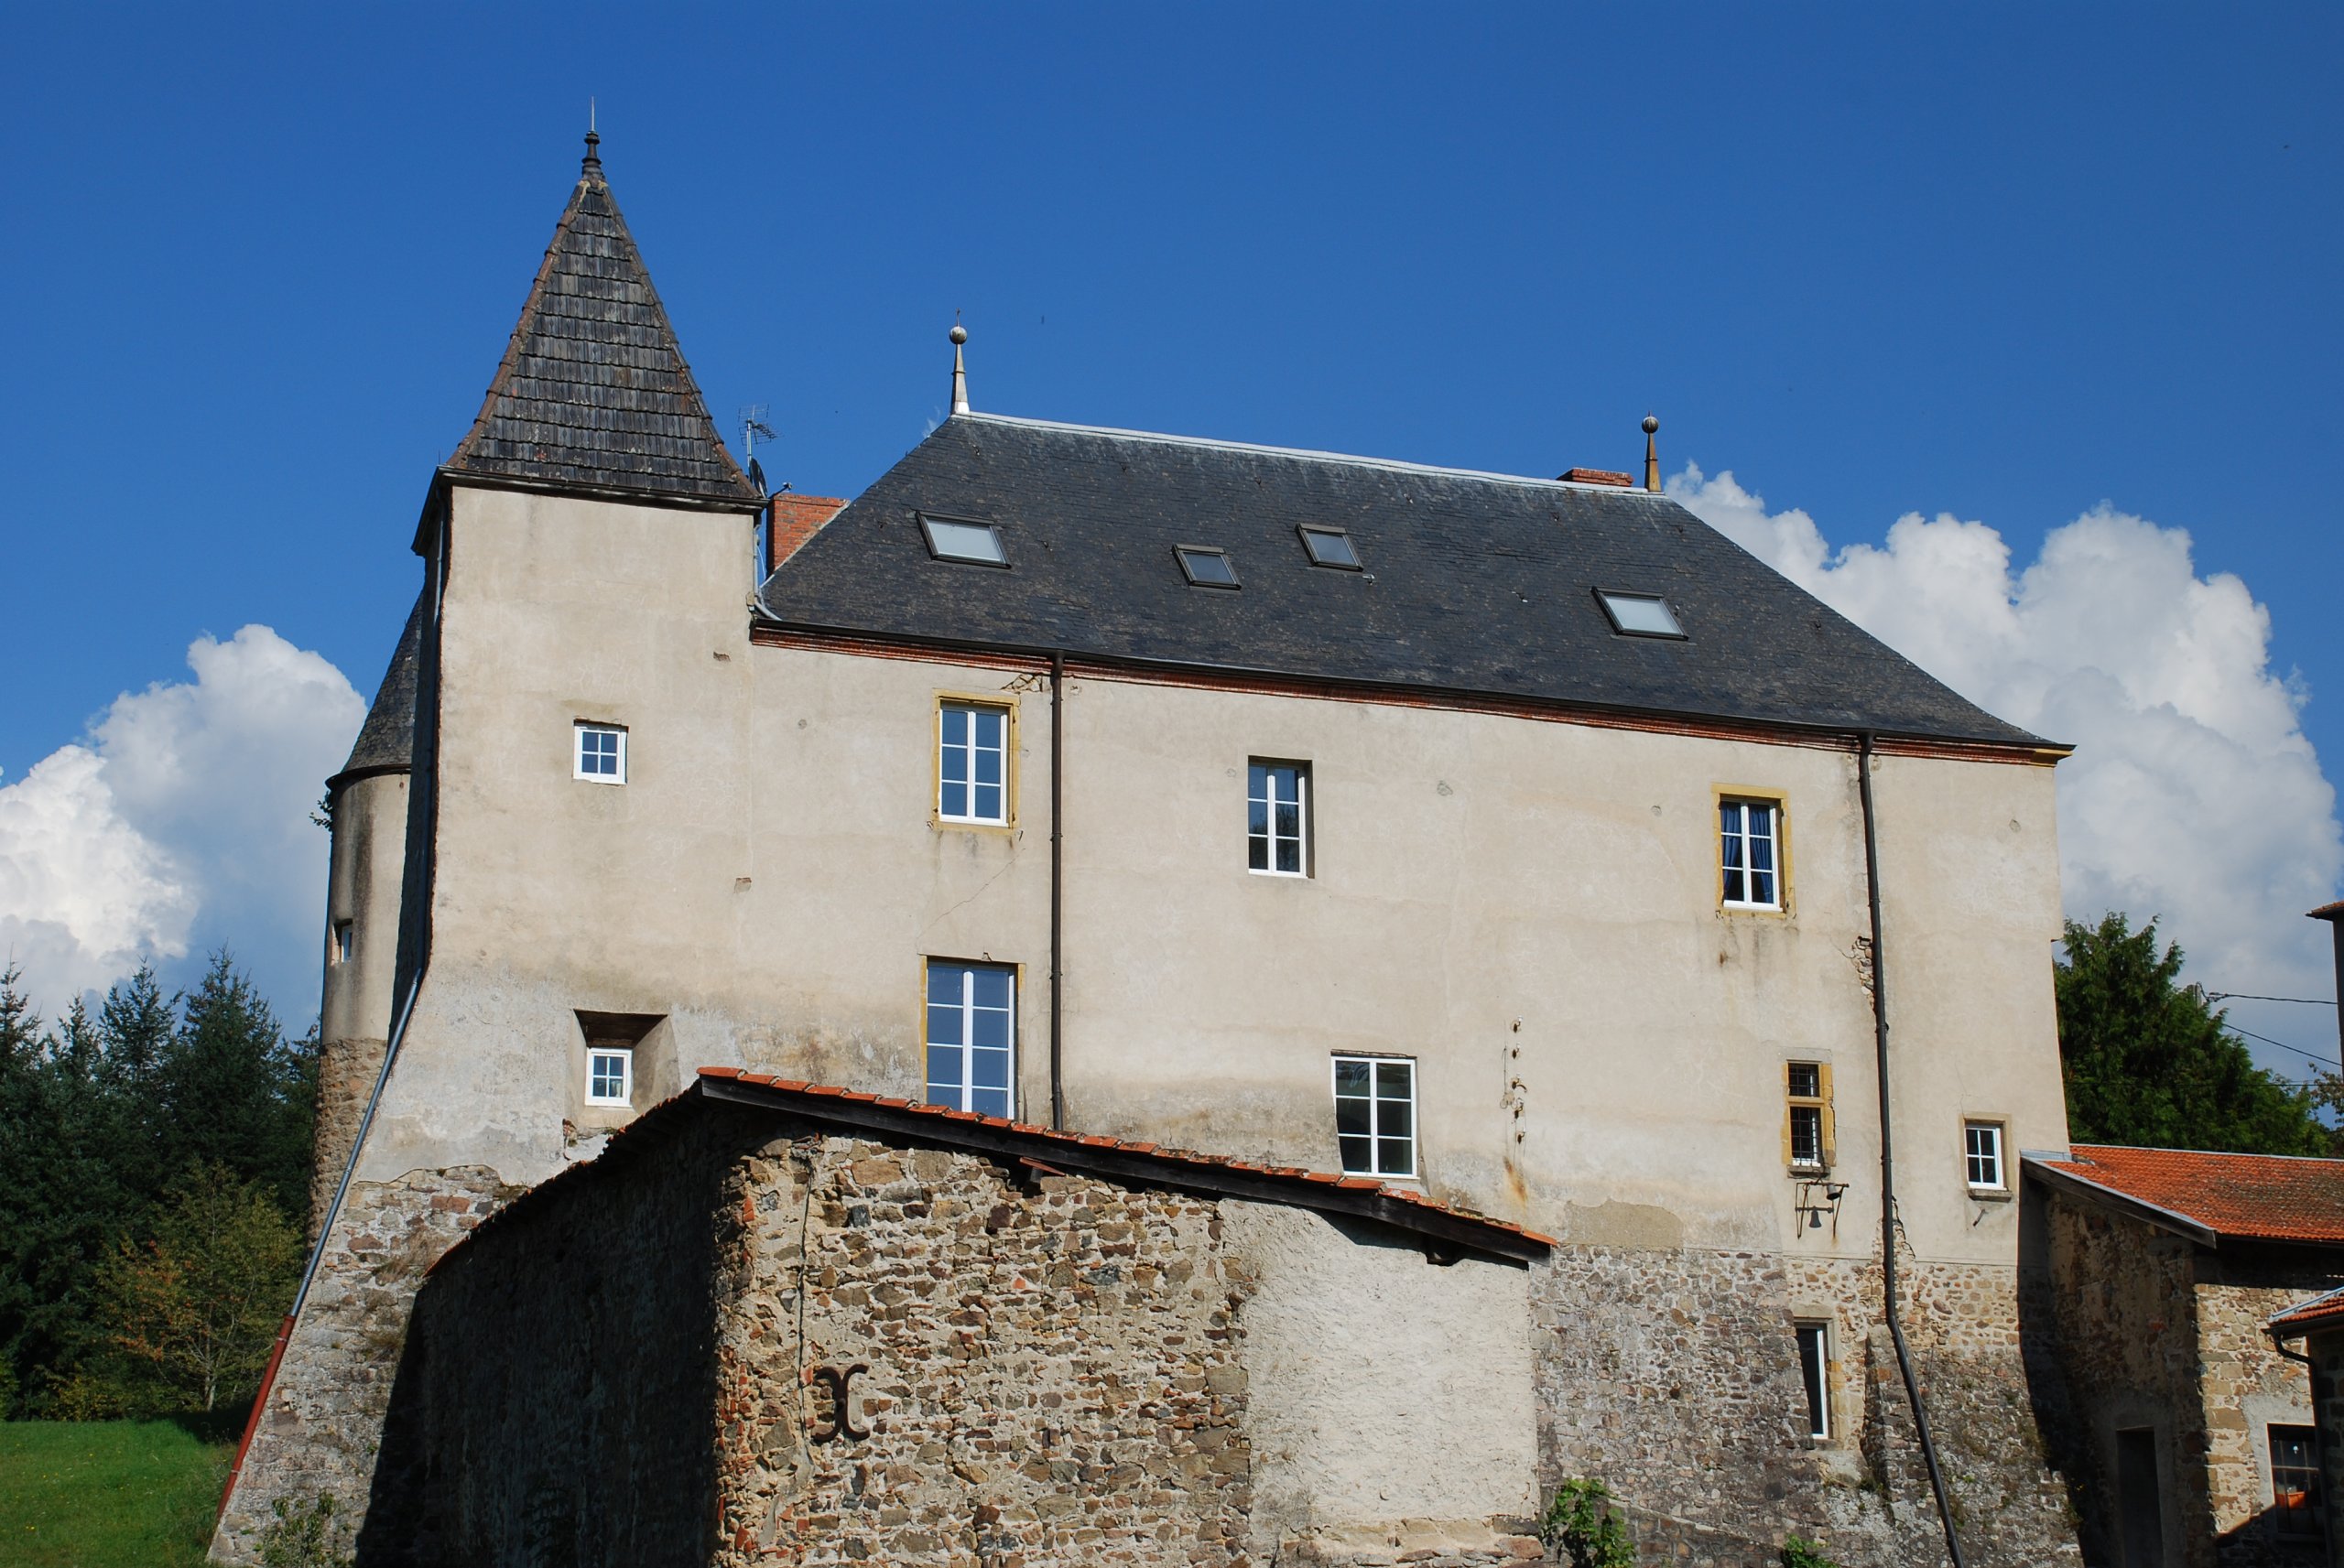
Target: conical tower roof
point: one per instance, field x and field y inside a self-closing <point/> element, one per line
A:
<point x="593" y="393"/>
<point x="385" y="742"/>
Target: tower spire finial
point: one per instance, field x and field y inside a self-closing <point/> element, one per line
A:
<point x="1652" y="456"/>
<point x="959" y="335"/>
<point x="593" y="159"/>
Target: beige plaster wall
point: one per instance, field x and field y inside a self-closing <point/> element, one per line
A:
<point x="1529" y="907"/>
<point x="354" y="1012"/>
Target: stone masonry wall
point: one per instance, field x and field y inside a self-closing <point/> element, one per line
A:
<point x="2326" y="1351"/>
<point x="347" y="1074"/>
<point x="2246" y="1386"/>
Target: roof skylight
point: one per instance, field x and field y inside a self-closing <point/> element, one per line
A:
<point x="963" y="539"/>
<point x="1329" y="547"/>
<point x="1206" y="567"/>
<point x="1639" y="614"/>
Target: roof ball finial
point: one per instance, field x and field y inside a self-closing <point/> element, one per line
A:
<point x="959" y="335"/>
<point x="1650" y="423"/>
<point x="1652" y="456"/>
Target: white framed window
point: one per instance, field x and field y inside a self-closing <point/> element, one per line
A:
<point x="1376" y="1115"/>
<point x="1981" y="1156"/>
<point x="971" y="1036"/>
<point x="1748" y="840"/>
<point x="342" y="941"/>
<point x="599" y="753"/>
<point x="1815" y="1373"/>
<point x="1806" y="1123"/>
<point x="973" y="764"/>
<point x="610" y="1075"/>
<point x="1277" y="818"/>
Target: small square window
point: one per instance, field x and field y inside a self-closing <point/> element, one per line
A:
<point x="1815" y="1372"/>
<point x="2295" y="1490"/>
<point x="1807" y="1127"/>
<point x="973" y="1036"/>
<point x="1376" y="1115"/>
<point x="342" y="940"/>
<point x="1329" y="547"/>
<point x="610" y="1075"/>
<point x="1277" y="818"/>
<point x="1749" y="865"/>
<point x="1206" y="567"/>
<point x="973" y="764"/>
<point x="601" y="753"/>
<point x="963" y="539"/>
<point x="1981" y="1153"/>
<point x="1639" y="614"/>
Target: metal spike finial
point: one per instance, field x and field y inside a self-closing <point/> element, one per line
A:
<point x="959" y="335"/>
<point x="593" y="159"/>
<point x="1652" y="456"/>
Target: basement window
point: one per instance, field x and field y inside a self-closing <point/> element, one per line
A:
<point x="1815" y="1372"/>
<point x="1639" y="614"/>
<point x="1329" y="547"/>
<point x="1206" y="565"/>
<point x="1376" y="1115"/>
<point x="963" y="539"/>
<point x="610" y="1075"/>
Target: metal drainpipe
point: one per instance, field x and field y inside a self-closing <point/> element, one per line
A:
<point x="1057" y="878"/>
<point x="1888" y="1162"/>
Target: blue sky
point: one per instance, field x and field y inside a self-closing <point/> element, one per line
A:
<point x="2005" y="262"/>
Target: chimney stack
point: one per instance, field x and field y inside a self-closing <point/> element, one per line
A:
<point x="2334" y="914"/>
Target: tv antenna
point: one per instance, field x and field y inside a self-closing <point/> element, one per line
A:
<point x="752" y="424"/>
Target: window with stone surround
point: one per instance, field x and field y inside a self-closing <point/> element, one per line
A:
<point x="1806" y="1117"/>
<point x="1815" y="1373"/>
<point x="1376" y="1115"/>
<point x="2294" y="1482"/>
<point x="1981" y="1157"/>
<point x="1750" y="853"/>
<point x="971" y="1036"/>
<point x="973" y="764"/>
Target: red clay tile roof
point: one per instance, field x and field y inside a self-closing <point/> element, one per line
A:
<point x="2254" y="1197"/>
<point x="1307" y="1188"/>
<point x="2325" y="1311"/>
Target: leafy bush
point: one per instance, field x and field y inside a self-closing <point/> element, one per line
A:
<point x="1580" y="1521"/>
<point x="1801" y="1552"/>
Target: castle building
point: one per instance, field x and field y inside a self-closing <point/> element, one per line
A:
<point x="1518" y="850"/>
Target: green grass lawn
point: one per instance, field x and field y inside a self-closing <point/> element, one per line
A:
<point x="107" y="1494"/>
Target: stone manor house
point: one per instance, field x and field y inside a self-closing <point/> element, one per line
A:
<point x="1128" y="998"/>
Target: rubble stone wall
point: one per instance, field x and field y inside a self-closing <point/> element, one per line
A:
<point x="2246" y="1387"/>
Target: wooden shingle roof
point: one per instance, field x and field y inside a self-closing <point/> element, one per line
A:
<point x="593" y="393"/>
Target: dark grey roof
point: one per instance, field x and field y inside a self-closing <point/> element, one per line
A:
<point x="386" y="741"/>
<point x="593" y="391"/>
<point x="1474" y="583"/>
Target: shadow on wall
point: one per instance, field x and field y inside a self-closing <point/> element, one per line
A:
<point x="554" y="1406"/>
<point x="2066" y="1447"/>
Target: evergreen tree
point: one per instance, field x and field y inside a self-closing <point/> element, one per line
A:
<point x="136" y="1024"/>
<point x="232" y="1094"/>
<point x="2148" y="1062"/>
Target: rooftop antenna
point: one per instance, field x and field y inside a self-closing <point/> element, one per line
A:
<point x="752" y="424"/>
<point x="959" y="335"/>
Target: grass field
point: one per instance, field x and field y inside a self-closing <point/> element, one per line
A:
<point x="107" y="1494"/>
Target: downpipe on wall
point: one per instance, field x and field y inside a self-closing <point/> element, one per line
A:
<point x="1888" y="1161"/>
<point x="1058" y="878"/>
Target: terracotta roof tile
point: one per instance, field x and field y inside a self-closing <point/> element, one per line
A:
<point x="2256" y="1197"/>
<point x="2323" y="1311"/>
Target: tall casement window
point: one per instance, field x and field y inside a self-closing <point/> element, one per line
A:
<point x="1749" y="844"/>
<point x="973" y="764"/>
<point x="2294" y="1481"/>
<point x="1981" y="1156"/>
<point x="1277" y="816"/>
<point x="1815" y="1371"/>
<point x="599" y="753"/>
<point x="1376" y="1115"/>
<point x="1807" y="1122"/>
<point x="971" y="1035"/>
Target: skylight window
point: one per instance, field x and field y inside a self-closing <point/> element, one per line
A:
<point x="963" y="539"/>
<point x="1639" y="614"/>
<point x="1329" y="547"/>
<point x="1206" y="567"/>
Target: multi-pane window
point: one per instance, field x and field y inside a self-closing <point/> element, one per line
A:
<point x="610" y="1075"/>
<point x="2295" y="1480"/>
<point x="601" y="755"/>
<point x="1376" y="1115"/>
<point x="1277" y="808"/>
<point x="972" y="763"/>
<point x="1814" y="1370"/>
<point x="1748" y="840"/>
<point x="1807" y="1127"/>
<point x="972" y="1019"/>
<point x="1981" y="1154"/>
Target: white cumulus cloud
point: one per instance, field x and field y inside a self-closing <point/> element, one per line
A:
<point x="2193" y="795"/>
<point x="180" y="822"/>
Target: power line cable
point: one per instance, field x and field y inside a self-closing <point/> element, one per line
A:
<point x="2251" y="1035"/>
<point x="2250" y="996"/>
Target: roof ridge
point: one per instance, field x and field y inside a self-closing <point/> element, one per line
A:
<point x="2212" y="1154"/>
<point x="1355" y="459"/>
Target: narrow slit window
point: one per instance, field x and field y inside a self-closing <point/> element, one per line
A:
<point x="1748" y="842"/>
<point x="341" y="929"/>
<point x="1639" y="614"/>
<point x="1982" y="1156"/>
<point x="971" y="1036"/>
<point x="1277" y="815"/>
<point x="610" y="1075"/>
<point x="1329" y="547"/>
<point x="973" y="764"/>
<point x="1807" y="1135"/>
<point x="963" y="539"/>
<point x="1815" y="1372"/>
<point x="1376" y="1115"/>
<point x="600" y="754"/>
<point x="1206" y="567"/>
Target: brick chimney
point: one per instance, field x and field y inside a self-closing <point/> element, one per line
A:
<point x="796" y="519"/>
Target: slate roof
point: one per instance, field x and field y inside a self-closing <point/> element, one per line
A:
<point x="1473" y="583"/>
<point x="593" y="392"/>
<point x="2249" y="1198"/>
<point x="386" y="741"/>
